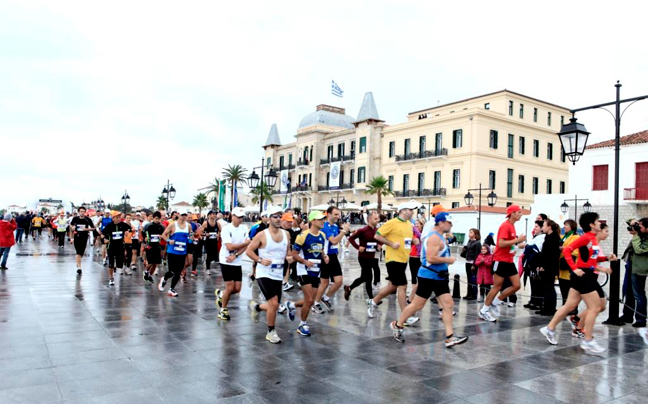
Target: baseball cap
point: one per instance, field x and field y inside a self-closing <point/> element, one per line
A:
<point x="436" y="209"/>
<point x="238" y="211"/>
<point x="211" y="212"/>
<point x="288" y="217"/>
<point x="273" y="210"/>
<point x="443" y="217"/>
<point x="107" y="210"/>
<point x="316" y="215"/>
<point x="412" y="204"/>
<point x="511" y="209"/>
<point x="264" y="213"/>
<point x="116" y="214"/>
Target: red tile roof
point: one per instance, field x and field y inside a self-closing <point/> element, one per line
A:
<point x="486" y="209"/>
<point x="635" y="138"/>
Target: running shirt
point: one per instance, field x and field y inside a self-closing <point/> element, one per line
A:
<point x="61" y="224"/>
<point x="81" y="225"/>
<point x="331" y="230"/>
<point x="37" y="222"/>
<point x="232" y="235"/>
<point x="365" y="238"/>
<point x="256" y="228"/>
<point x="276" y="252"/>
<point x="211" y="235"/>
<point x="398" y="231"/>
<point x="115" y="234"/>
<point x="153" y="235"/>
<point x="180" y="239"/>
<point x="437" y="272"/>
<point x="311" y="248"/>
<point x="136" y="225"/>
<point x="95" y="221"/>
<point x="506" y="232"/>
<point x="416" y="249"/>
<point x="105" y="222"/>
<point x="585" y="243"/>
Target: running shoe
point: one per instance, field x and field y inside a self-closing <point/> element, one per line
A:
<point x="224" y="315"/>
<point x="304" y="330"/>
<point x="454" y="313"/>
<point x="194" y="273"/>
<point x="328" y="305"/>
<point x="79" y="272"/>
<point x="208" y="272"/>
<point x="184" y="279"/>
<point x="550" y="335"/>
<point x="219" y="297"/>
<point x="643" y="332"/>
<point x="347" y="292"/>
<point x="397" y="331"/>
<point x="578" y="333"/>
<point x="150" y="279"/>
<point x="592" y="347"/>
<point x="371" y="306"/>
<point x="253" y="312"/>
<point x="161" y="285"/>
<point x="455" y="340"/>
<point x="317" y="308"/>
<point x="273" y="337"/>
<point x="511" y="304"/>
<point x="145" y="275"/>
<point x="411" y="321"/>
<point x="574" y="320"/>
<point x="173" y="293"/>
<point x="111" y="282"/>
<point x="486" y="315"/>
<point x="134" y="267"/>
<point x="126" y="271"/>
<point x="106" y="262"/>
<point x="291" y="310"/>
<point x="282" y="308"/>
<point x="495" y="310"/>
<point x="287" y="286"/>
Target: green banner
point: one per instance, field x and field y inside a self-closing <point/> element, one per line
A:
<point x="221" y="195"/>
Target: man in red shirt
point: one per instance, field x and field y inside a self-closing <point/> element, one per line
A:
<point x="503" y="267"/>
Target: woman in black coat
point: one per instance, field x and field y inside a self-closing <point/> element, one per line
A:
<point x="473" y="249"/>
<point x="548" y="266"/>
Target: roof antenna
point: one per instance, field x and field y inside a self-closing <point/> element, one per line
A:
<point x="438" y="103"/>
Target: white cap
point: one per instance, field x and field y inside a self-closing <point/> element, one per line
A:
<point x="273" y="210"/>
<point x="238" y="211"/>
<point x="412" y="204"/>
<point x="264" y="213"/>
<point x="107" y="211"/>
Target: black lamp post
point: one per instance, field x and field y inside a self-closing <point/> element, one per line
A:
<point x="564" y="208"/>
<point x="491" y="198"/>
<point x="254" y="181"/>
<point x="573" y="138"/>
<point x="340" y="204"/>
<point x="125" y="199"/>
<point x="169" y="192"/>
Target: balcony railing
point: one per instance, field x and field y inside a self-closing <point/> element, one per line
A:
<point x="334" y="159"/>
<point x="635" y="194"/>
<point x="305" y="188"/>
<point x="286" y="167"/>
<point x="301" y="163"/>
<point x="440" y="192"/>
<point x="341" y="187"/>
<point x="426" y="154"/>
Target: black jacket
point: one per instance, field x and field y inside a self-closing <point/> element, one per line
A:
<point x="550" y="254"/>
<point x="473" y="250"/>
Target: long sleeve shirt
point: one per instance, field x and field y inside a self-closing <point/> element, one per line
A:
<point x="589" y="252"/>
<point x="640" y="257"/>
<point x="365" y="237"/>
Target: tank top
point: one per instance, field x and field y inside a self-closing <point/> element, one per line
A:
<point x="437" y="272"/>
<point x="180" y="238"/>
<point x="276" y="252"/>
<point x="211" y="232"/>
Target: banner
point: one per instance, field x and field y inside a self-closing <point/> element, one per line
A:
<point x="335" y="175"/>
<point x="283" y="177"/>
<point x="221" y="195"/>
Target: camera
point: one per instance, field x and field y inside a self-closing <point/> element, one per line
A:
<point x="634" y="227"/>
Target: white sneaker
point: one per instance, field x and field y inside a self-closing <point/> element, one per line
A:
<point x="495" y="310"/>
<point x="282" y="308"/>
<point x="411" y="321"/>
<point x="486" y="315"/>
<point x="207" y="272"/>
<point x="592" y="347"/>
<point x="128" y="271"/>
<point x="643" y="332"/>
<point x="454" y="313"/>
<point x="371" y="306"/>
<point x="161" y="285"/>
<point x="173" y="293"/>
<point x="550" y="335"/>
<point x="511" y="305"/>
<point x="111" y="282"/>
<point x="273" y="337"/>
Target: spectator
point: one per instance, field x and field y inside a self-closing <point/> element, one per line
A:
<point x="628" y="295"/>
<point x="7" y="227"/>
<point x="484" y="264"/>
<point x="640" y="271"/>
<point x="548" y="266"/>
<point x="473" y="248"/>
<point x="23" y="225"/>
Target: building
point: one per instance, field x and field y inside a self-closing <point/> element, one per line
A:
<point x="503" y="140"/>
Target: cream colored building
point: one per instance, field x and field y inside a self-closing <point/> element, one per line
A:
<point x="503" y="139"/>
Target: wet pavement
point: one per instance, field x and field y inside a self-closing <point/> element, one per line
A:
<point x="70" y="340"/>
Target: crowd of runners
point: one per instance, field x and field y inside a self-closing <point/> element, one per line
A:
<point x="287" y="252"/>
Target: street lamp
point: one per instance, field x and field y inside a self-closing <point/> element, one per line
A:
<point x="125" y="198"/>
<point x="168" y="193"/>
<point x="255" y="180"/>
<point x="491" y="199"/>
<point x="573" y="139"/>
<point x="564" y="208"/>
<point x="340" y="204"/>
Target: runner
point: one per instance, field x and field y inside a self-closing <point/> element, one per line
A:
<point x="113" y="235"/>
<point x="105" y="221"/>
<point x="81" y="227"/>
<point x="331" y="270"/>
<point x="136" y="224"/>
<point x="364" y="241"/>
<point x="61" y="223"/>
<point x="583" y="281"/>
<point x="503" y="266"/>
<point x="177" y="238"/>
<point x="210" y="230"/>
<point x="287" y="221"/>
<point x="433" y="277"/>
<point x="197" y="247"/>
<point x="37" y="226"/>
<point x="256" y="228"/>
<point x="273" y="245"/>
<point x="152" y="234"/>
<point x="128" y="245"/>
<point x="309" y="251"/>
<point x="397" y="235"/>
<point x="235" y="240"/>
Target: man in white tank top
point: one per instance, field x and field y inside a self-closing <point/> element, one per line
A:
<point x="274" y="248"/>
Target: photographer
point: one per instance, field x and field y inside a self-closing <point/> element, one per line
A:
<point x="628" y="295"/>
<point x="640" y="270"/>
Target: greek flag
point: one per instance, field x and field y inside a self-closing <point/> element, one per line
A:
<point x="336" y="90"/>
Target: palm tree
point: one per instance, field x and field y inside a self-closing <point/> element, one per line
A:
<point x="379" y="186"/>
<point x="200" y="201"/>
<point x="161" y="203"/>
<point x="234" y="174"/>
<point x="258" y="191"/>
<point x="215" y="188"/>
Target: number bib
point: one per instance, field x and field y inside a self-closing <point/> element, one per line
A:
<point x="316" y="266"/>
<point x="212" y="236"/>
<point x="155" y="238"/>
<point x="180" y="246"/>
<point x="276" y="268"/>
<point x="408" y="243"/>
<point x="81" y="227"/>
<point x="371" y="247"/>
<point x="117" y="235"/>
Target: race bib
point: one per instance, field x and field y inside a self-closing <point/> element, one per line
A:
<point x="408" y="243"/>
<point x="371" y="247"/>
<point x="316" y="265"/>
<point x="155" y="238"/>
<point x="81" y="227"/>
<point x="117" y="235"/>
<point x="276" y="268"/>
<point x="212" y="236"/>
<point x="596" y="250"/>
<point x="179" y="246"/>
<point x="333" y="247"/>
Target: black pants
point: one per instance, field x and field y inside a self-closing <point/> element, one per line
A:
<point x="61" y="238"/>
<point x="536" y="291"/>
<point x="547" y="282"/>
<point x="628" y="294"/>
<point x="197" y="256"/>
<point x="565" y="285"/>
<point x="129" y="254"/>
<point x="176" y="266"/>
<point x="212" y="256"/>
<point x="471" y="278"/>
<point x="369" y="267"/>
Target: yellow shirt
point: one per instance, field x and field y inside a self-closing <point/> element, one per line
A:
<point x="37" y="221"/>
<point x="397" y="231"/>
<point x="564" y="273"/>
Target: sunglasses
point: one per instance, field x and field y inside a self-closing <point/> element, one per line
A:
<point x="275" y="217"/>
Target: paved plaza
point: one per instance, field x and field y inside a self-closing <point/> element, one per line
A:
<point x="70" y="340"/>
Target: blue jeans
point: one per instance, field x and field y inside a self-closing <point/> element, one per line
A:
<point x="639" y="289"/>
<point x="629" y="299"/>
<point x="4" y="254"/>
<point x="19" y="235"/>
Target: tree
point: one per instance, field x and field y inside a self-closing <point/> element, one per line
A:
<point x="234" y="174"/>
<point x="215" y="188"/>
<point x="200" y="201"/>
<point x="379" y="186"/>
<point x="161" y="203"/>
<point x="258" y="191"/>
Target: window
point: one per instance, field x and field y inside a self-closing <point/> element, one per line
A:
<point x="535" y="114"/>
<point x="521" y="111"/>
<point x="562" y="187"/>
<point x="421" y="143"/>
<point x="549" y="151"/>
<point x="534" y="186"/>
<point x="493" y="139"/>
<point x="600" y="178"/>
<point x="311" y="154"/>
<point x="536" y="148"/>
<point x="437" y="179"/>
<point x="492" y="180"/>
<point x="511" y="108"/>
<point x="511" y="139"/>
<point x="328" y="179"/>
<point x="340" y="149"/>
<point x="310" y="179"/>
<point x="268" y="161"/>
<point x="352" y="176"/>
<point x="363" y="144"/>
<point x="361" y="175"/>
<point x="290" y="159"/>
<point x="457" y="138"/>
<point x="421" y="182"/>
<point x="352" y="147"/>
<point x="521" y="145"/>
<point x="390" y="183"/>
<point x="438" y="141"/>
<point x="405" y="183"/>
<point x="562" y="120"/>
<point x="341" y="177"/>
<point x="456" y="178"/>
<point x="509" y="183"/>
<point x="548" y="118"/>
<point x="549" y="186"/>
<point x="487" y="105"/>
<point x="520" y="184"/>
<point x="455" y="205"/>
<point x="392" y="149"/>
<point x="281" y="161"/>
<point x="509" y="204"/>
<point x="562" y="154"/>
<point x="329" y="152"/>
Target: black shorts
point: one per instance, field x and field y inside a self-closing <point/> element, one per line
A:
<point x="396" y="273"/>
<point x="115" y="257"/>
<point x="95" y="233"/>
<point x="428" y="286"/>
<point x="314" y="281"/>
<point x="332" y="269"/>
<point x="80" y="244"/>
<point x="585" y="284"/>
<point x="190" y="248"/>
<point x="232" y="273"/>
<point x="270" y="288"/>
<point x="599" y="290"/>
<point x="153" y="256"/>
<point x="414" y="265"/>
<point x="504" y="269"/>
<point x="135" y="246"/>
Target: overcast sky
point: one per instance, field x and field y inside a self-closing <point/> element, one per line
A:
<point x="98" y="98"/>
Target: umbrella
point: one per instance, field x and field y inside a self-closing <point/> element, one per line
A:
<point x="323" y="206"/>
<point x="352" y="206"/>
<point x="374" y="206"/>
<point x="251" y="209"/>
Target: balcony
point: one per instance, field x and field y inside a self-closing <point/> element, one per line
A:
<point x="424" y="193"/>
<point x="635" y="195"/>
<point x="286" y="167"/>
<point x="304" y="188"/>
<point x="426" y="154"/>
<point x="343" y="159"/>
<point x="321" y="188"/>
<point x="302" y="163"/>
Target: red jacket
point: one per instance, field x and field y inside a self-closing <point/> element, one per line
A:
<point x="7" y="233"/>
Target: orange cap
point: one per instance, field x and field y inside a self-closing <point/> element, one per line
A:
<point x="436" y="209"/>
<point x="288" y="217"/>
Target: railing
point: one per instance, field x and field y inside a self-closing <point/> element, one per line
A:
<point x="422" y="155"/>
<point x="301" y="163"/>
<point x="287" y="167"/>
<point x="304" y="188"/>
<point x="635" y="194"/>
<point x="420" y="192"/>
<point x="330" y="188"/>
<point x="334" y="159"/>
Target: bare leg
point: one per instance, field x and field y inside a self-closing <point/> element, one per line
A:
<point x="497" y="286"/>
<point x="572" y="302"/>
<point x="384" y="292"/>
<point x="270" y="307"/>
<point x="401" y="296"/>
<point x="322" y="288"/>
<point x="337" y="284"/>
<point x="417" y="304"/>
<point x="593" y="305"/>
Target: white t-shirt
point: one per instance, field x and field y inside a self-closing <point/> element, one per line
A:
<point x="232" y="235"/>
<point x="136" y="225"/>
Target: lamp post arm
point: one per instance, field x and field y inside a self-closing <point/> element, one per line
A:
<point x="635" y="99"/>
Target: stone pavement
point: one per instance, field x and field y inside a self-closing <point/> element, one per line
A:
<point x="69" y="340"/>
